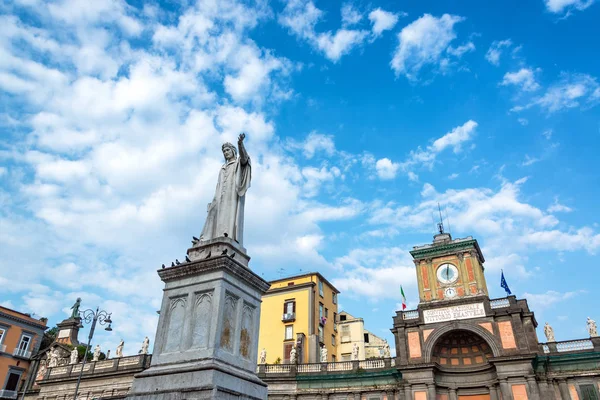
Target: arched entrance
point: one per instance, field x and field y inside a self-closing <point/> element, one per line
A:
<point x="463" y="370"/>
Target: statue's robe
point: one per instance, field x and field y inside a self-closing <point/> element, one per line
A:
<point x="226" y="211"/>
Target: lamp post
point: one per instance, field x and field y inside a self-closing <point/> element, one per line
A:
<point x="92" y="316"/>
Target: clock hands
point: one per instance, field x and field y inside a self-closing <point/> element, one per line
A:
<point x="448" y="272"/>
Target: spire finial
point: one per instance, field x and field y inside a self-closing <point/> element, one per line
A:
<point x="440" y="224"/>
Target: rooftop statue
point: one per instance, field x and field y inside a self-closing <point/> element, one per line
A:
<point x="75" y="308"/>
<point x="226" y="210"/>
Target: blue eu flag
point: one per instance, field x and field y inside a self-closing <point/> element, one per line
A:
<point x="504" y="285"/>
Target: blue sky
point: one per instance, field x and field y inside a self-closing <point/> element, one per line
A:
<point x="360" y="118"/>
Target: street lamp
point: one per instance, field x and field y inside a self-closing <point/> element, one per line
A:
<point x="92" y="316"/>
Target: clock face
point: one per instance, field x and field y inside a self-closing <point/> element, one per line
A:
<point x="450" y="292"/>
<point x="447" y="273"/>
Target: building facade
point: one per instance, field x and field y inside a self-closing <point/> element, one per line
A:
<point x="299" y="311"/>
<point x="351" y="331"/>
<point x="20" y="338"/>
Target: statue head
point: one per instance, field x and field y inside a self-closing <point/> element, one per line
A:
<point x="229" y="151"/>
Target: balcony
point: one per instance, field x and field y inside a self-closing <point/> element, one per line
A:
<point x="22" y="353"/>
<point x="288" y="317"/>
<point x="8" y="394"/>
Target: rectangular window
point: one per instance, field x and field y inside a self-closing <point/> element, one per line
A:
<point x="289" y="332"/>
<point x="345" y="334"/>
<point x="289" y="307"/>
<point x="588" y="392"/>
<point x="333" y="340"/>
<point x="24" y="344"/>
<point x="13" y="381"/>
<point x="342" y="317"/>
<point x="366" y="338"/>
<point x="332" y="358"/>
<point x="2" y="331"/>
<point x="321" y="288"/>
<point x="334" y="298"/>
<point x="320" y="311"/>
<point x="346" y="357"/>
<point x="326" y="313"/>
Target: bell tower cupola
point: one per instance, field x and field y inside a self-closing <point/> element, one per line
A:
<point x="449" y="268"/>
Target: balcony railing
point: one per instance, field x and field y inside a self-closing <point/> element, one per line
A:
<point x="499" y="303"/>
<point x="568" y="345"/>
<point x="8" y="394"/>
<point x="2" y="348"/>
<point x="23" y="353"/>
<point x="288" y="317"/>
<point x="412" y="314"/>
<point x="318" y="368"/>
<point x="113" y="365"/>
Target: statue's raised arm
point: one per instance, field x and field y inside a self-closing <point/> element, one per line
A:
<point x="226" y="212"/>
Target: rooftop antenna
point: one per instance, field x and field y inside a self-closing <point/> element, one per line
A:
<point x="440" y="224"/>
<point x="448" y="221"/>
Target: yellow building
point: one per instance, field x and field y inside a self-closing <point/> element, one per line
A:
<point x="352" y="332"/>
<point x="299" y="310"/>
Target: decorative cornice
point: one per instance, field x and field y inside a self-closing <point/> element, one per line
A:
<point x="214" y="264"/>
<point x="23" y="321"/>
<point x="445" y="249"/>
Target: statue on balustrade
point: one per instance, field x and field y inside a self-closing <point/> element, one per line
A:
<point x="75" y="308"/>
<point x="145" y="345"/>
<point x="293" y="355"/>
<point x="355" y="352"/>
<point x="263" y="356"/>
<point x="549" y="332"/>
<point x="592" y="328"/>
<point x="119" y="352"/>
<point x="323" y="354"/>
<point x="226" y="211"/>
<point x="386" y="350"/>
<point x="74" y="356"/>
<point x="96" y="353"/>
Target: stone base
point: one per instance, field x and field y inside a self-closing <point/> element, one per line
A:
<point x="195" y="381"/>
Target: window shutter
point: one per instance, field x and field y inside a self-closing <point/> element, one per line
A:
<point x="284" y="307"/>
<point x="294" y="307"/>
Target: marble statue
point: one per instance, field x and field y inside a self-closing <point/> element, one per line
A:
<point x="145" y="345"/>
<point x="54" y="358"/>
<point x="592" y="328"/>
<point x="96" y="353"/>
<point x="355" y="352"/>
<point x="75" y="308"/>
<point x="226" y="210"/>
<point x="74" y="356"/>
<point x="386" y="350"/>
<point x="549" y="332"/>
<point x="263" y="356"/>
<point x="323" y="354"/>
<point x="119" y="352"/>
<point x="107" y="354"/>
<point x="293" y="355"/>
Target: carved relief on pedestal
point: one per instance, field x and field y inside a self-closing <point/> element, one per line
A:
<point x="202" y="320"/>
<point x="246" y="331"/>
<point x="176" y="323"/>
<point x="229" y="322"/>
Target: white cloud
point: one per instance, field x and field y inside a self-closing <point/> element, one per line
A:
<point x="541" y="301"/>
<point x="335" y="45"/>
<point x="547" y="134"/>
<point x="529" y="160"/>
<point x="571" y="91"/>
<point x="382" y="20"/>
<point x="524" y="78"/>
<point x="461" y="50"/>
<point x="557" y="207"/>
<point x="453" y="176"/>
<point x="495" y="51"/>
<point x="558" y="6"/>
<point x="523" y="121"/>
<point x="423" y="42"/>
<point x="350" y="15"/>
<point x="386" y="169"/>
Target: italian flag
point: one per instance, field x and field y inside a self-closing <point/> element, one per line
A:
<point x="403" y="298"/>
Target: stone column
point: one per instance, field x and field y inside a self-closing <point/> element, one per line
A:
<point x="564" y="390"/>
<point x="505" y="389"/>
<point x="452" y="394"/>
<point x="431" y="391"/>
<point x="390" y="395"/>
<point x="534" y="393"/>
<point x="493" y="392"/>
<point x="356" y="395"/>
<point x="408" y="392"/>
<point x="544" y="389"/>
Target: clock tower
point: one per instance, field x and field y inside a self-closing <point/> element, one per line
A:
<point x="449" y="268"/>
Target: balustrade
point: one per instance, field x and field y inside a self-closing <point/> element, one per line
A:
<point x="499" y="303"/>
<point x="412" y="314"/>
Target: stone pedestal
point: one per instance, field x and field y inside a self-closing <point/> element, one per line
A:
<point x="206" y="343"/>
<point x="68" y="330"/>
